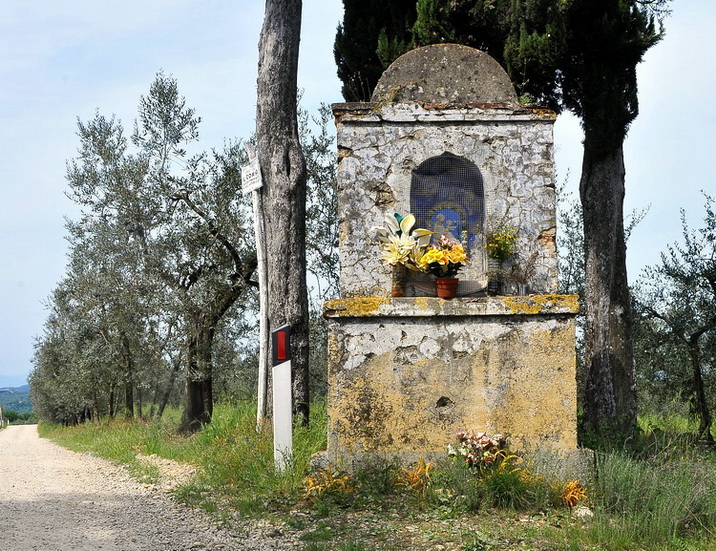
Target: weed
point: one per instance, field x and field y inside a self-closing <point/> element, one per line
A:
<point x="454" y="489"/>
<point x="209" y="506"/>
<point x="417" y="480"/>
<point x="293" y="523"/>
<point x="145" y="473"/>
<point x="327" y="482"/>
<point x="324" y="531"/>
<point x="190" y="494"/>
<point x="572" y="493"/>
<point x="353" y="546"/>
<point x="478" y="542"/>
<point x="508" y="488"/>
<point x="375" y="480"/>
<point x="651" y="501"/>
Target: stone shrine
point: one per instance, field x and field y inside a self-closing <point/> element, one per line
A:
<point x="445" y="139"/>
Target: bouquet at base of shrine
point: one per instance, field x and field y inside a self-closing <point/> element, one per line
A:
<point x="443" y="259"/>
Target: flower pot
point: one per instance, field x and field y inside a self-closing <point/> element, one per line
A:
<point x="494" y="276"/>
<point x="446" y="287"/>
<point x="398" y="279"/>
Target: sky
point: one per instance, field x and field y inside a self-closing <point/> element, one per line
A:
<point x="60" y="61"/>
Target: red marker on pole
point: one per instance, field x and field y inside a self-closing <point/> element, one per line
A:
<point x="281" y="344"/>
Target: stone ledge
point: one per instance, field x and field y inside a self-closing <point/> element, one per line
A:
<point x="420" y="112"/>
<point x="374" y="306"/>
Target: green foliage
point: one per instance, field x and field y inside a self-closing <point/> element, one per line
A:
<point x="481" y="24"/>
<point x="158" y="257"/>
<point x="16" y="399"/>
<point x="548" y="50"/>
<point x="19" y="418"/>
<point x="479" y="542"/>
<point x="346" y="546"/>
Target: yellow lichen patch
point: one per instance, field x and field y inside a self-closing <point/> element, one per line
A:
<point x="537" y="304"/>
<point x="354" y="307"/>
<point x="424" y="303"/>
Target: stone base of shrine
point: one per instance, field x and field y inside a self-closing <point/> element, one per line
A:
<point x="407" y="374"/>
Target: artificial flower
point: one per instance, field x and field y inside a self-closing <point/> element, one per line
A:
<point x="401" y="242"/>
<point x="443" y="259"/>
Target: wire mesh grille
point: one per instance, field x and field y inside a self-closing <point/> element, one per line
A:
<point x="447" y="197"/>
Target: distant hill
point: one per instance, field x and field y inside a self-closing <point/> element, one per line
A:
<point x="16" y="399"/>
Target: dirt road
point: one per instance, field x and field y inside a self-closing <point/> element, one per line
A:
<point x="54" y="499"/>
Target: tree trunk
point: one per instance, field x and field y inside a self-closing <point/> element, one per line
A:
<point x="610" y="395"/>
<point x="140" y="412"/>
<point x="128" y="377"/>
<point x="111" y="401"/>
<point x="128" y="398"/>
<point x="199" y="404"/>
<point x="702" y="406"/>
<point x="284" y="193"/>
<point x="176" y="365"/>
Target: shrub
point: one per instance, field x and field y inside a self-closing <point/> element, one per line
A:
<point x="501" y="476"/>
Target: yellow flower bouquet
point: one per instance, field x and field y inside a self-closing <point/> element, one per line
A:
<point x="443" y="259"/>
<point x="500" y="242"/>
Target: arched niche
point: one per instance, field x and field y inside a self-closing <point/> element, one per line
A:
<point x="447" y="196"/>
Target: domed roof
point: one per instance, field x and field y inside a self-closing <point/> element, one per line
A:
<point x="445" y="73"/>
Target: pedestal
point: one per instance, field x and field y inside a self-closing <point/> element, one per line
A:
<point x="406" y="374"/>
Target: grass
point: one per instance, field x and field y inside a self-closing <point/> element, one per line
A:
<point x="659" y="495"/>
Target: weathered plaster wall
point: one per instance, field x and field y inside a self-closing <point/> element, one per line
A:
<point x="406" y="374"/>
<point x="381" y="144"/>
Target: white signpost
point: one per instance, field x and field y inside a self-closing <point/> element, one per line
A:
<point x="251" y="175"/>
<point x="282" y="398"/>
<point x="251" y="182"/>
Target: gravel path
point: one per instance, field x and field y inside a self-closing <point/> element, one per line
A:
<point x="55" y="499"/>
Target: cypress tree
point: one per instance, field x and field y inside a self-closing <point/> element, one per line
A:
<point x="372" y="35"/>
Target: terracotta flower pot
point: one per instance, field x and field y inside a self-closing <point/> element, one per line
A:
<point x="446" y="287"/>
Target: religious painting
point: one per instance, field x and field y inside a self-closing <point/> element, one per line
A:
<point x="447" y="222"/>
